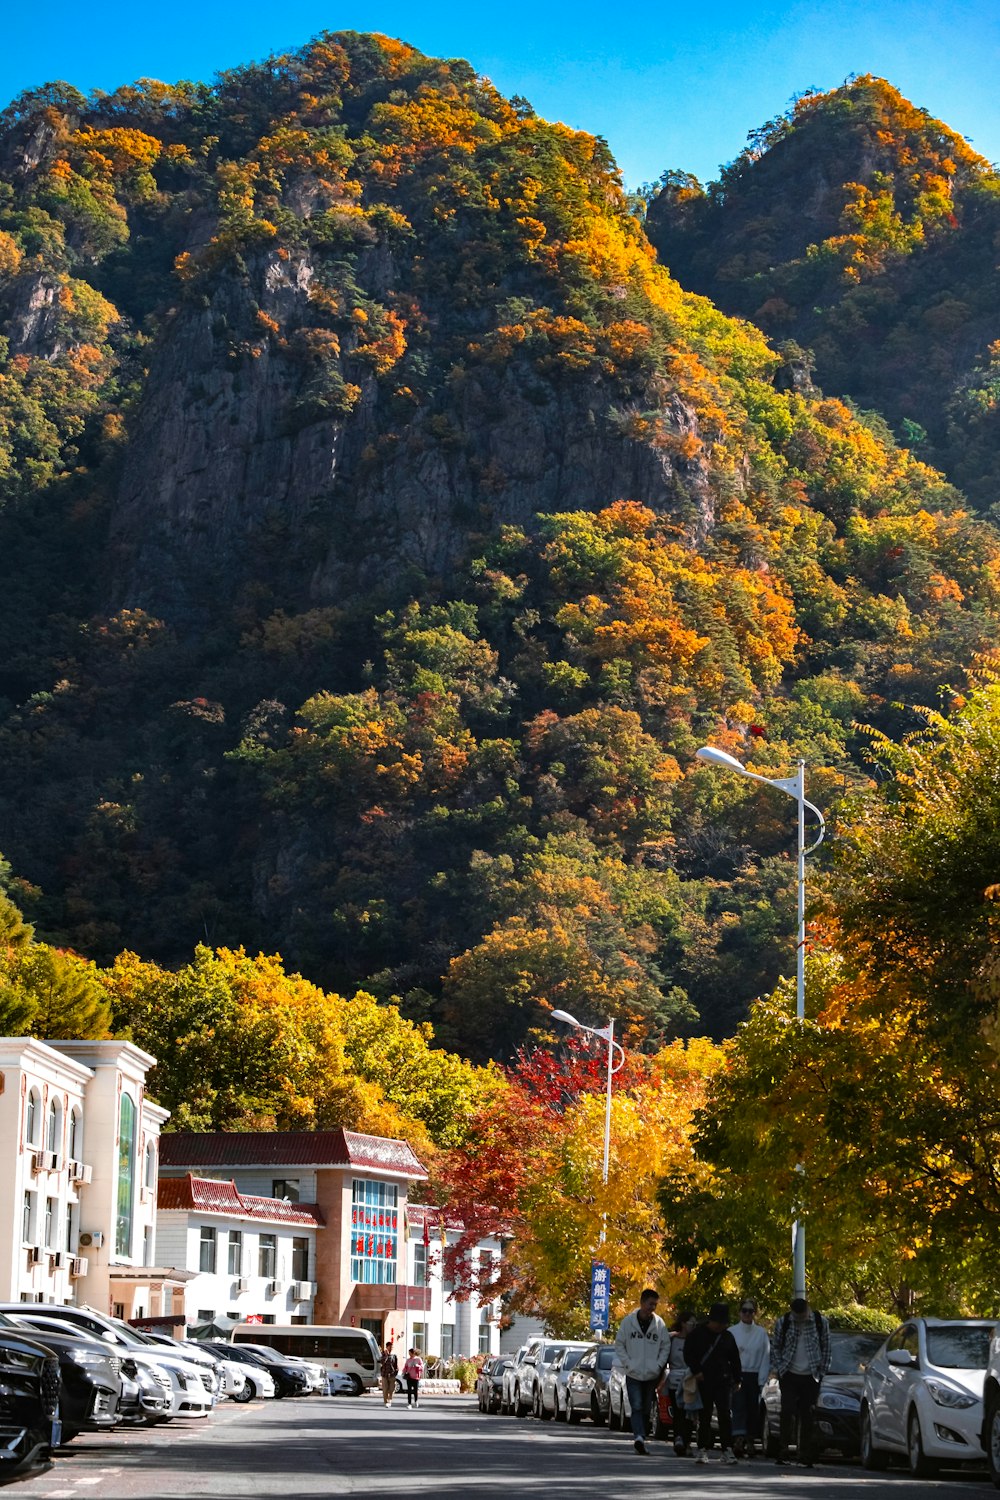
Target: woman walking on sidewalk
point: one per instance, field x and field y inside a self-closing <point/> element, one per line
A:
<point x="413" y="1374"/>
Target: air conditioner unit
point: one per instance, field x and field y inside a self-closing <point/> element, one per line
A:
<point x="34" y="1162"/>
<point x="78" y="1266"/>
<point x="243" y="1285"/>
<point x="60" y="1259"/>
<point x="80" y="1173"/>
<point x="273" y="1288"/>
<point x="50" y="1160"/>
<point x="302" y="1290"/>
<point x="145" y="1194"/>
<point x="34" y="1256"/>
<point x="93" y="1239"/>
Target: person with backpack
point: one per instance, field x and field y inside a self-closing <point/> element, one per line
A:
<point x="388" y="1369"/>
<point x="713" y="1362"/>
<point x="800" y="1350"/>
<point x="413" y="1374"/>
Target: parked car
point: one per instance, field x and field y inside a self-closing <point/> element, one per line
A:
<point x="837" y="1419"/>
<point x="922" y="1395"/>
<point x="30" y="1425"/>
<point x="259" y="1379"/>
<point x="188" y="1385"/>
<point x="587" y="1386"/>
<point x="522" y="1389"/>
<point x="552" y="1400"/>
<point x="661" y="1416"/>
<point x="121" y="1336"/>
<point x="315" y="1373"/>
<point x="289" y="1379"/>
<point x="145" y="1393"/>
<point x="90" y="1372"/>
<point x="489" y="1383"/>
<point x="989" y="1439"/>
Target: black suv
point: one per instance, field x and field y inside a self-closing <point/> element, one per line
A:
<point x="29" y="1406"/>
<point x="91" y="1375"/>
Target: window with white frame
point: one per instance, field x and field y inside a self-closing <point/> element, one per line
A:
<point x="236" y="1252"/>
<point x="374" y="1221"/>
<point x="267" y="1256"/>
<point x="53" y="1136"/>
<point x="28" y="1217"/>
<point x="420" y="1337"/>
<point x="151" y="1165"/>
<point x="419" y="1264"/>
<point x="48" y="1239"/>
<point x="447" y="1340"/>
<point x="300" y="1257"/>
<point x="31" y="1120"/>
<point x="206" y="1248"/>
<point x="484" y="1338"/>
<point x="75" y="1135"/>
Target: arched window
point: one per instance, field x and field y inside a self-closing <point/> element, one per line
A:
<point x="31" y="1118"/>
<point x="53" y="1135"/>
<point x="126" y="1176"/>
<point x="150" y="1177"/>
<point x="75" y="1135"/>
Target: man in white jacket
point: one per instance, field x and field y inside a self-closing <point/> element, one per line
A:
<point x="754" y="1345"/>
<point x="643" y="1346"/>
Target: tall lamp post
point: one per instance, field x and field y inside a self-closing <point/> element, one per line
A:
<point x="794" y="787"/>
<point x="607" y="1034"/>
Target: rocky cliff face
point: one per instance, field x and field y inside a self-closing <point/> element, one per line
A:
<point x="382" y="529"/>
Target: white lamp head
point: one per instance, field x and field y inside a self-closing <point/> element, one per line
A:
<point x="564" y="1015"/>
<point x="721" y="758"/>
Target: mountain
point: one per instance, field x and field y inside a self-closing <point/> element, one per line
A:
<point x="382" y="530"/>
<point x="860" y="227"/>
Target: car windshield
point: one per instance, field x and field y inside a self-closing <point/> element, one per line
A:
<point x="959" y="1348"/>
<point x="850" y="1353"/>
<point x="605" y="1358"/>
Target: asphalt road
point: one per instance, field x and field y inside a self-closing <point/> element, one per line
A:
<point x="445" y="1449"/>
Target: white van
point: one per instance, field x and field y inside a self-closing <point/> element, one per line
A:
<point x="350" y="1351"/>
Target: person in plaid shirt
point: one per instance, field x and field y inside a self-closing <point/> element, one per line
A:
<point x="800" y="1349"/>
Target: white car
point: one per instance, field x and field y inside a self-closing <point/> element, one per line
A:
<point x="923" y="1395"/>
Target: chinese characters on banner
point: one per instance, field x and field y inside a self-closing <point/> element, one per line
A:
<point x="374" y="1232"/>
<point x="600" y="1296"/>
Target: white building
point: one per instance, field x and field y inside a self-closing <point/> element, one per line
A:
<point x="251" y="1257"/>
<point x="78" y="1177"/>
<point x="433" y="1319"/>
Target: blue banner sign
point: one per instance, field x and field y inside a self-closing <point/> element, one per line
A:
<point x="600" y="1296"/>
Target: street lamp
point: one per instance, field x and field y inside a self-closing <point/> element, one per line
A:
<point x="795" y="787"/>
<point x="607" y="1034"/>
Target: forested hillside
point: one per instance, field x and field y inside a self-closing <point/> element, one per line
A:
<point x="384" y="528"/>
<point x="857" y="225"/>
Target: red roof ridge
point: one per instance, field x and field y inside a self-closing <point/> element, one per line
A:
<point x="212" y="1195"/>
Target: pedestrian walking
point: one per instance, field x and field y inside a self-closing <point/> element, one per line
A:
<point x="389" y="1369"/>
<point x="677" y="1372"/>
<point x="413" y="1374"/>
<point x="755" y="1360"/>
<point x="714" y="1361"/>
<point x="801" y="1351"/>
<point x="643" y="1346"/>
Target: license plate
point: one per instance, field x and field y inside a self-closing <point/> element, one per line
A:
<point x="55" y="1436"/>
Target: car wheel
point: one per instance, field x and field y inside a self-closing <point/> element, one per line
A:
<point x="871" y="1457"/>
<point x="597" y="1415"/>
<point x="615" y="1416"/>
<point x="245" y="1395"/>
<point x="560" y="1411"/>
<point x="992" y="1439"/>
<point x="921" y="1467"/>
<point x="520" y="1408"/>
<point x="541" y="1410"/>
<point x="573" y="1417"/>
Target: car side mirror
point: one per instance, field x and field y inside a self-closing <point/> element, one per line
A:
<point x="902" y="1357"/>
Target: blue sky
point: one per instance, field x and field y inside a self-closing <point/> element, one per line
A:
<point x="668" y="85"/>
